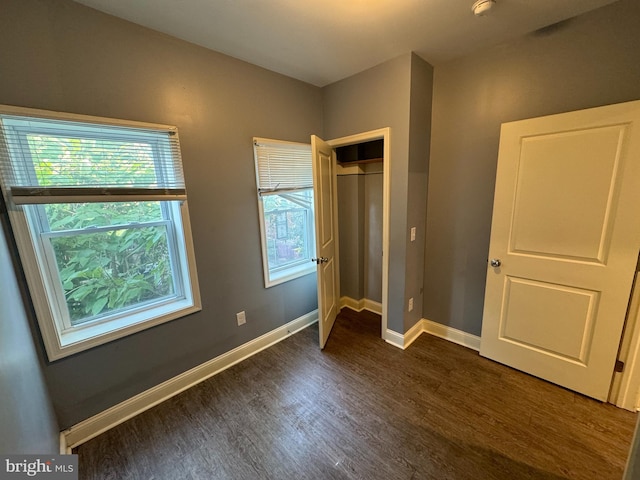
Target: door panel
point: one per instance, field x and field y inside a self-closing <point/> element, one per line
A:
<point x="529" y="314"/>
<point x="566" y="231"/>
<point x="563" y="201"/>
<point x="324" y="188"/>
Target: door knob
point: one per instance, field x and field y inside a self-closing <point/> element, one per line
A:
<point x="495" y="262"/>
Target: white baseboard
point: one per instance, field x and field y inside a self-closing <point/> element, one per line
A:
<point x="373" y="306"/>
<point x="452" y="334"/>
<point x="433" y="328"/>
<point x="413" y="333"/>
<point x="403" y="341"/>
<point x="94" y="426"/>
<point x="362" y="304"/>
<point x="394" y="338"/>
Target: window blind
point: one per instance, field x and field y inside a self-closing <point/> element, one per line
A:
<point x="282" y="166"/>
<point x="45" y="160"/>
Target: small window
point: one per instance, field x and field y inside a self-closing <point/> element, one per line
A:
<point x="285" y="201"/>
<point x="100" y="216"/>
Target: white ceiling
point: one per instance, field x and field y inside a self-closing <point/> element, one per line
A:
<point x="322" y="41"/>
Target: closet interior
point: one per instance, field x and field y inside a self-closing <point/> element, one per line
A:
<point x="360" y="194"/>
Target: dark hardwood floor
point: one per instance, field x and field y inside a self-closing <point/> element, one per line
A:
<point x="363" y="409"/>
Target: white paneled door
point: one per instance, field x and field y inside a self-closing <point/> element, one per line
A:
<point x="324" y="189"/>
<point x="564" y="245"/>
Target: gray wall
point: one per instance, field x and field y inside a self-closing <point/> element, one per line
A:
<point x="27" y="420"/>
<point x="418" y="171"/>
<point x="377" y="98"/>
<point x="67" y="57"/>
<point x="591" y="60"/>
<point x="372" y="243"/>
<point x="351" y="224"/>
<point x="395" y="94"/>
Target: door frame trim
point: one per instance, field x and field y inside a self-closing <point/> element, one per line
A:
<point x="385" y="135"/>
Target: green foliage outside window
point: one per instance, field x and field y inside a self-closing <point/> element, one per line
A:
<point x="113" y="269"/>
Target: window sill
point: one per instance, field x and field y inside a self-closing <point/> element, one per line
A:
<point x="292" y="273"/>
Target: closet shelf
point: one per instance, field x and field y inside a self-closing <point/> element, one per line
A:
<point x="366" y="152"/>
<point x="367" y="160"/>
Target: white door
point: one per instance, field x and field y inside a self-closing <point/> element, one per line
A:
<point x="564" y="245"/>
<point x="324" y="189"/>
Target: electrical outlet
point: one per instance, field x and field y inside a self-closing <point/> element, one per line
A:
<point x="411" y="304"/>
<point x="241" y="317"/>
<point x="413" y="234"/>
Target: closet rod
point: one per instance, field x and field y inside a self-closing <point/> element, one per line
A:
<point x="356" y="174"/>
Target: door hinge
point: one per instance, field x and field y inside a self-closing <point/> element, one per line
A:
<point x="619" y="366"/>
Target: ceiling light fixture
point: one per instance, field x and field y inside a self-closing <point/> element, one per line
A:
<point x="482" y="7"/>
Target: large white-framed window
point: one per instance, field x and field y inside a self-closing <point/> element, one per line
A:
<point x="284" y="178"/>
<point x="99" y="211"/>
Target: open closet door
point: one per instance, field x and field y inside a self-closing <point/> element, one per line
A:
<point x="324" y="190"/>
<point x="564" y="245"/>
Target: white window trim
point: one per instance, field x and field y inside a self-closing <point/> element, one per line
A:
<point x="293" y="272"/>
<point x="60" y="344"/>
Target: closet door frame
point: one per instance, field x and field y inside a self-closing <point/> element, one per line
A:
<point x="384" y="134"/>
